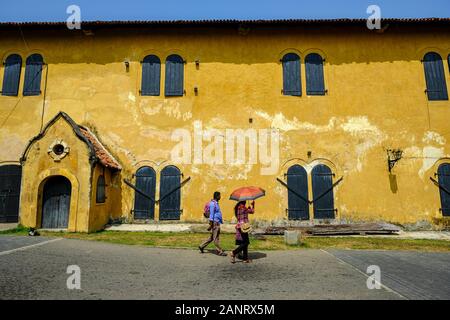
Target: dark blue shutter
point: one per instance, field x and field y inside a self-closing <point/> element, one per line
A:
<point x="448" y="60"/>
<point x="444" y="182"/>
<point x="323" y="198"/>
<point x="101" y="194"/>
<point x="10" y="179"/>
<point x="33" y="72"/>
<point x="435" y="77"/>
<point x="315" y="85"/>
<point x="170" y="194"/>
<point x="11" y="78"/>
<point x="297" y="181"/>
<point x="144" y="208"/>
<point x="151" y="73"/>
<point x="291" y="75"/>
<point x="174" y="76"/>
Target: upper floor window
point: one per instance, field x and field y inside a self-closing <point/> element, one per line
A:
<point x="33" y="71"/>
<point x="435" y="77"/>
<point x="151" y="74"/>
<point x="101" y="194"/>
<point x="174" y="76"/>
<point x="11" y="77"/>
<point x="315" y="85"/>
<point x="291" y="75"/>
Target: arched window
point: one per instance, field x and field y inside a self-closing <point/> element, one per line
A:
<point x="435" y="77"/>
<point x="291" y="75"/>
<point x="144" y="206"/>
<point x="315" y="85"/>
<point x="101" y="186"/>
<point x="444" y="183"/>
<point x="11" y="78"/>
<point x="33" y="71"/>
<point x="170" y="194"/>
<point x="297" y="182"/>
<point x="174" y="76"/>
<point x="322" y="187"/>
<point x="151" y="75"/>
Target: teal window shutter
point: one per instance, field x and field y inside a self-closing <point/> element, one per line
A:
<point x="174" y="76"/>
<point x="151" y="76"/>
<point x="291" y="75"/>
<point x="435" y="77"/>
<point x="11" y="78"/>
<point x="315" y="85"/>
<point x="33" y="74"/>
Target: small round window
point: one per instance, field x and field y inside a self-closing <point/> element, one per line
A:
<point x="58" y="149"/>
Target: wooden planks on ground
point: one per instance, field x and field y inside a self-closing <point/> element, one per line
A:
<point x="338" y="229"/>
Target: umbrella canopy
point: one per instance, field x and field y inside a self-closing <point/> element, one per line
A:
<point x="247" y="193"/>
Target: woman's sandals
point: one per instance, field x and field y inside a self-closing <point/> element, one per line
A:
<point x="233" y="257"/>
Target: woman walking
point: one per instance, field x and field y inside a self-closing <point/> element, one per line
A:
<point x="242" y="229"/>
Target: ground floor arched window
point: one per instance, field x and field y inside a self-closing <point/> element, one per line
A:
<point x="323" y="197"/>
<point x="144" y="207"/>
<point x="444" y="183"/>
<point x="297" y="181"/>
<point x="170" y="194"/>
<point x="10" y="179"/>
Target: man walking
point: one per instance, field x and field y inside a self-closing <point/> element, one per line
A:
<point x="215" y="218"/>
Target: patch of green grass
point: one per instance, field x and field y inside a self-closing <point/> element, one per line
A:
<point x="19" y="230"/>
<point x="192" y="240"/>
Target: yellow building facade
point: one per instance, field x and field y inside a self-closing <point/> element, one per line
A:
<point x="374" y="111"/>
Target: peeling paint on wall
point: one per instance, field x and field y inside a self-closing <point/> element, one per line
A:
<point x="11" y="146"/>
<point x="430" y="156"/>
<point x="431" y="136"/>
<point x="131" y="97"/>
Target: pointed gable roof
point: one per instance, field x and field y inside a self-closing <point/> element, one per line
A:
<point x="98" y="152"/>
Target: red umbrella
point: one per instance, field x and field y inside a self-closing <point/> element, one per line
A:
<point x="247" y="193"/>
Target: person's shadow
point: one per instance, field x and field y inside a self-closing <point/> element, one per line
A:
<point x="253" y="255"/>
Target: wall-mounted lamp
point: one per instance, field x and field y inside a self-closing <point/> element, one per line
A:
<point x="127" y="65"/>
<point x="197" y="64"/>
<point x="250" y="120"/>
<point x="196" y="91"/>
<point x="309" y="154"/>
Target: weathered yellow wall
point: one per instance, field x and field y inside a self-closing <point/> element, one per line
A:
<point x="375" y="101"/>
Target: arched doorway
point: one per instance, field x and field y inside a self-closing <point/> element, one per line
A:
<point x="323" y="197"/>
<point x="144" y="208"/>
<point x="56" y="203"/>
<point x="170" y="194"/>
<point x="297" y="181"/>
<point x="444" y="182"/>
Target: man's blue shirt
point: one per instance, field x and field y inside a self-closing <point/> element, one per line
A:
<point x="214" y="212"/>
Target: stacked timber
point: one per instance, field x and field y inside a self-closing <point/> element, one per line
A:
<point x="339" y="229"/>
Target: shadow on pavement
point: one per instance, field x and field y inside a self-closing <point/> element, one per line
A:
<point x="251" y="255"/>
